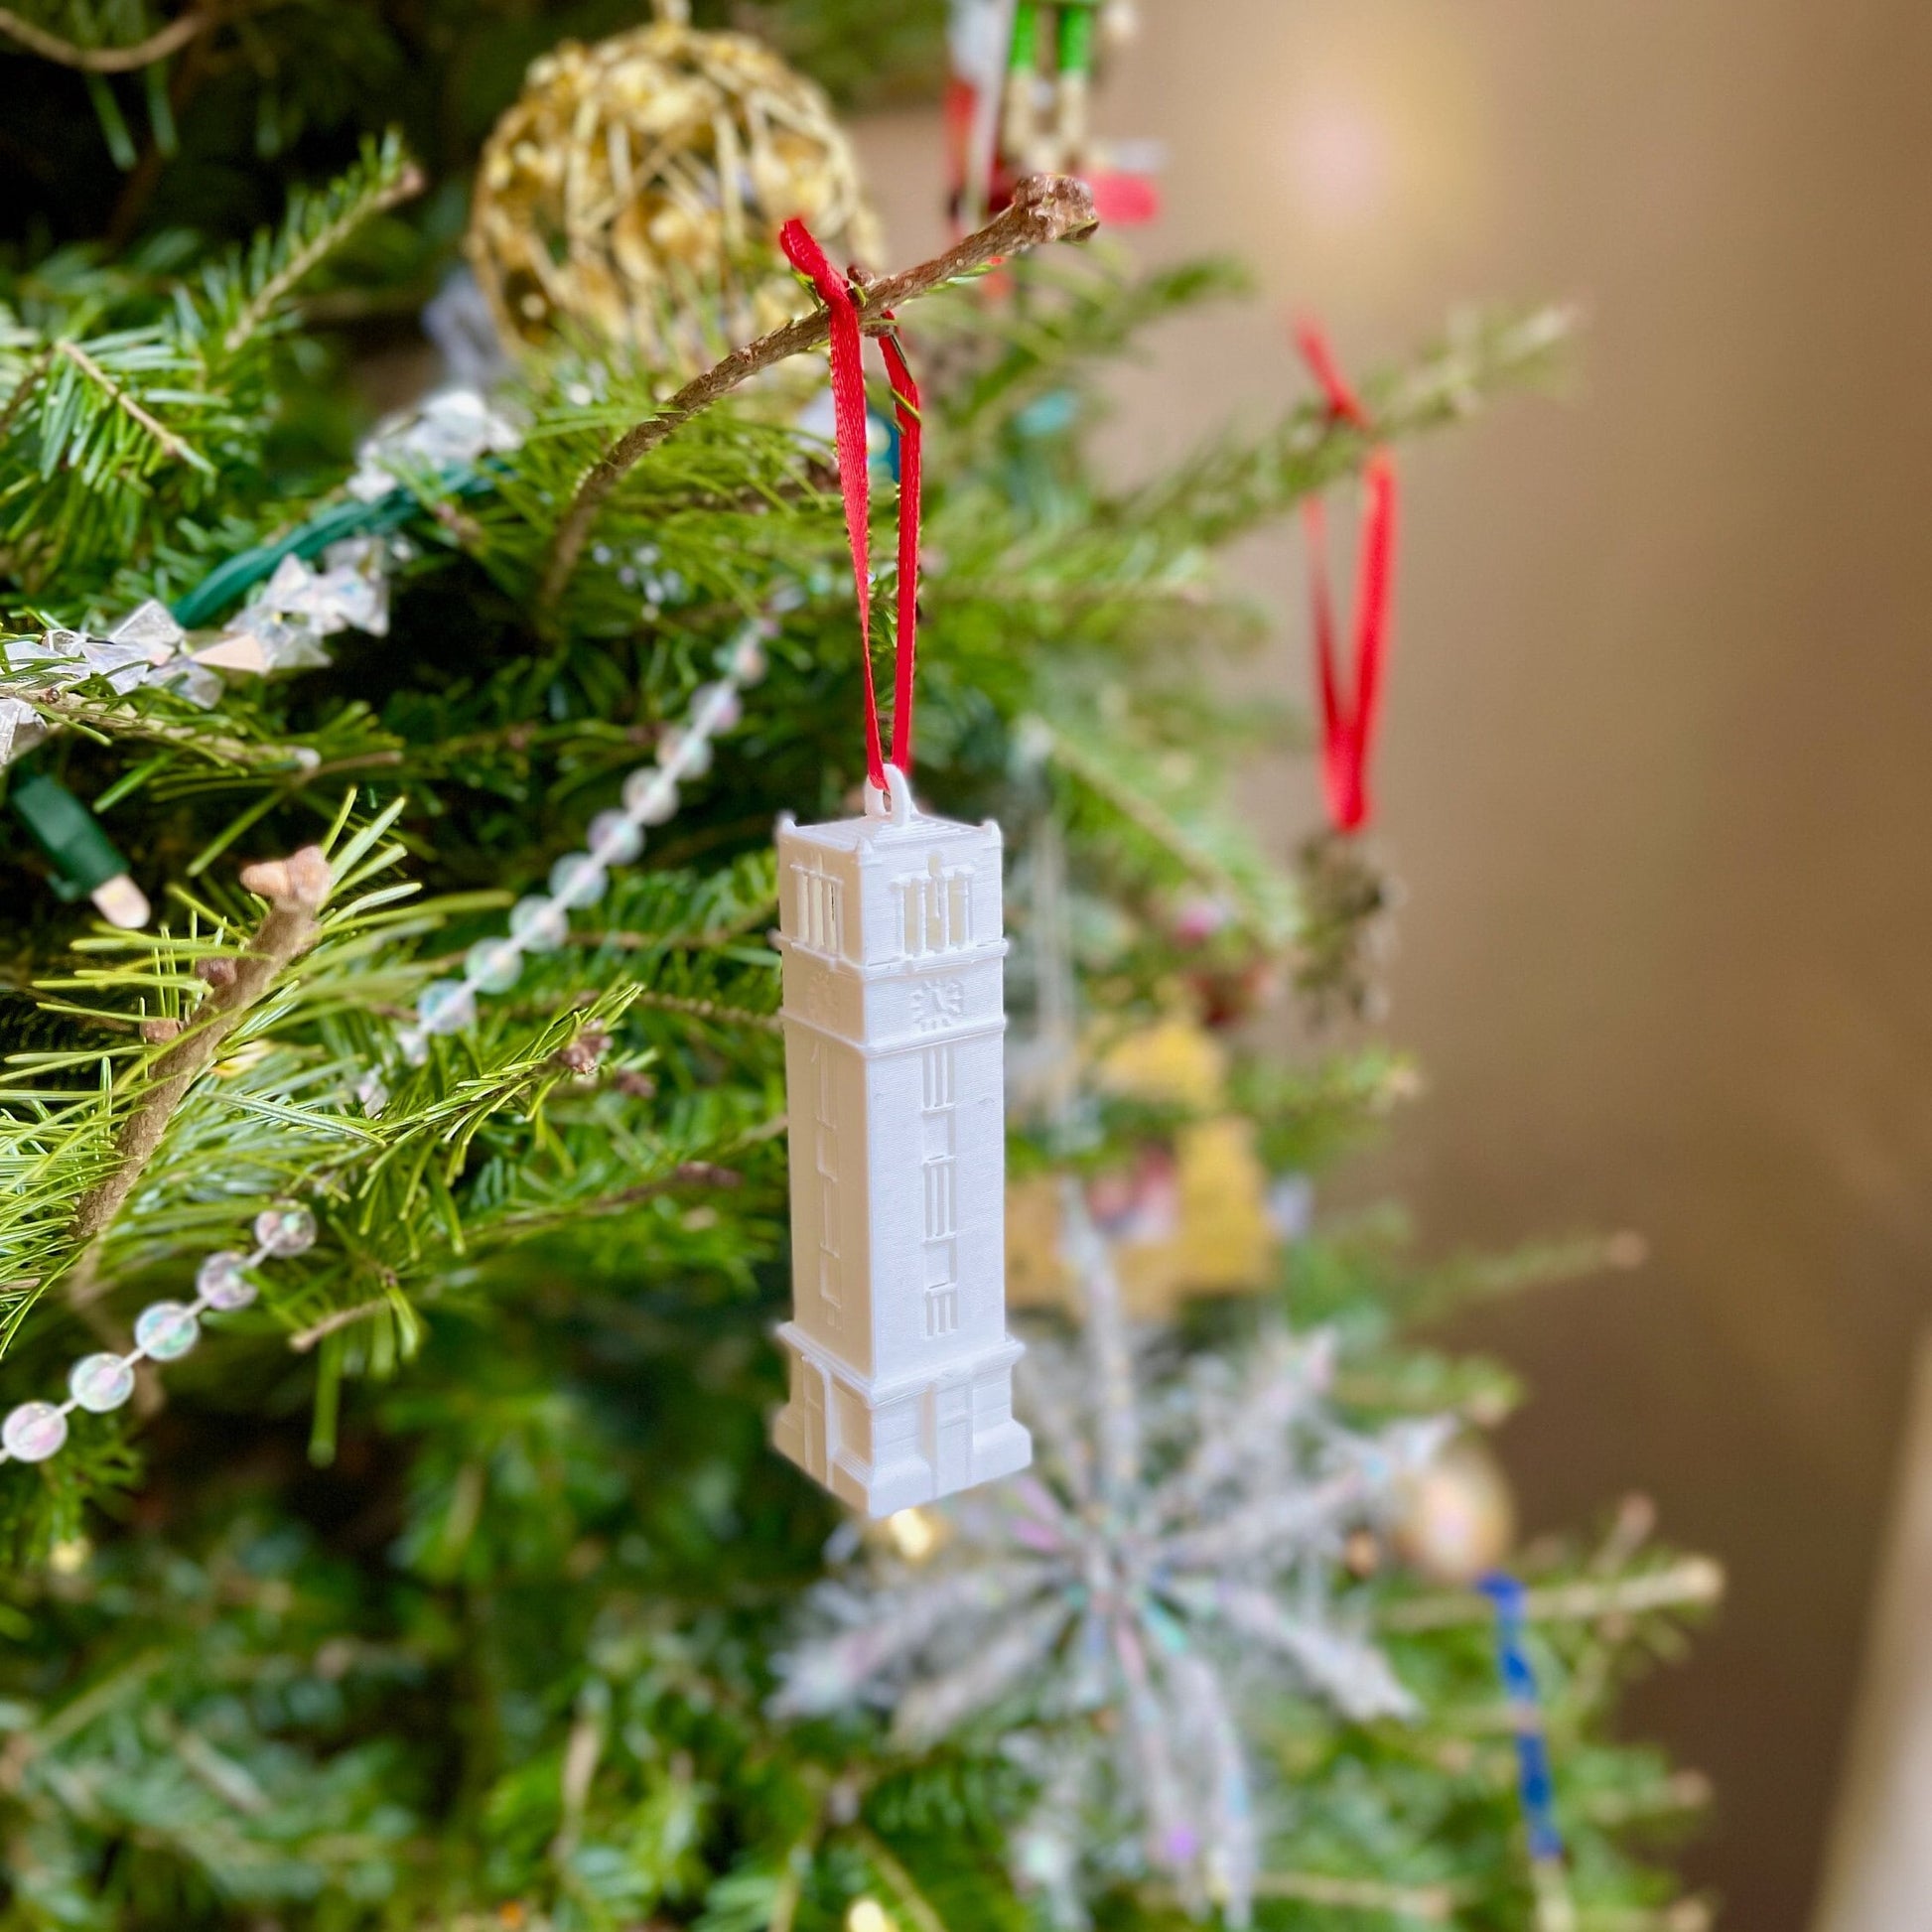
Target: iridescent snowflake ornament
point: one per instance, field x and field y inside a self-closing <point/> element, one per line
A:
<point x="1175" y="1552"/>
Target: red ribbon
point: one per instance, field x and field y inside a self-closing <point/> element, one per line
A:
<point x="855" y="484"/>
<point x="911" y="438"/>
<point x="1349" y="728"/>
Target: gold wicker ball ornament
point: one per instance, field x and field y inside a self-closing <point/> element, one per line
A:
<point x="636" y="189"/>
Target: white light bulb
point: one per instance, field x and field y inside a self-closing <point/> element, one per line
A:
<point x="120" y="902"/>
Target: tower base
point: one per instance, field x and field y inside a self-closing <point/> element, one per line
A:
<point x="884" y="1446"/>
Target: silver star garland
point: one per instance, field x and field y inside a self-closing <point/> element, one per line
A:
<point x="281" y="628"/>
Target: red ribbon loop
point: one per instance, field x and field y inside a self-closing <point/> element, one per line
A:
<point x="1342" y="401"/>
<point x="912" y="440"/>
<point x="855" y="484"/>
<point x="1348" y="727"/>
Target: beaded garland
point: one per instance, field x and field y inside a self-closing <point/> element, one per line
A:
<point x="539" y="922"/>
<point x="164" y="1331"/>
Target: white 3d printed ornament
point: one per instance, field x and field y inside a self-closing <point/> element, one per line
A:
<point x="895" y="1019"/>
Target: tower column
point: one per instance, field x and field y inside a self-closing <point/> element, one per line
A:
<point x="901" y="1367"/>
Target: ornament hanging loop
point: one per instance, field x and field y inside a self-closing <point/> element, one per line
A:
<point x="842" y="296"/>
<point x="1350" y="717"/>
<point x="894" y="801"/>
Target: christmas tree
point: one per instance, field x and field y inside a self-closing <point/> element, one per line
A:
<point x="394" y="1206"/>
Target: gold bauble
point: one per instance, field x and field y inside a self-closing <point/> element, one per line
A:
<point x="636" y="189"/>
<point x="913" y="1534"/>
<point x="1457" y="1518"/>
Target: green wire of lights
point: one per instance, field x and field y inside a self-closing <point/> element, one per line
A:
<point x="228" y="581"/>
<point x="84" y="860"/>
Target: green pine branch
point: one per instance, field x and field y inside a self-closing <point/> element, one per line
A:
<point x="240" y="300"/>
<point x="1233" y="485"/>
<point x="111" y="435"/>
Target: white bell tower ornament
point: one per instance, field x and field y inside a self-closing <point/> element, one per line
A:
<point x="895" y="1020"/>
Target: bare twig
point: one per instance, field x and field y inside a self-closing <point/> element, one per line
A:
<point x="672" y="939"/>
<point x="183" y="83"/>
<point x="711" y="1009"/>
<point x="582" y="1750"/>
<point x="162" y="42"/>
<point x="1686" y="1915"/>
<point x="1681" y="1791"/>
<point x="1044" y="208"/>
<point x="913" y="1902"/>
<point x="688" y="1173"/>
<point x="1434" y="1904"/>
<point x="694" y="1009"/>
<point x="305" y="1340"/>
<point x="295" y="888"/>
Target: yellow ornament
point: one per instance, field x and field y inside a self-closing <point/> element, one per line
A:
<point x="1174" y="1061"/>
<point x="1190" y="1217"/>
<point x="636" y="187"/>
<point x="1036" y="1271"/>
<point x="1225" y="1239"/>
<point x="1458" y="1520"/>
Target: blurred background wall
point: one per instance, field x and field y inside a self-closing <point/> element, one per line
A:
<point x="1658" y="761"/>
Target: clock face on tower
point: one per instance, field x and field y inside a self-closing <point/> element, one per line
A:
<point x="938" y="1003"/>
<point x="895" y="1023"/>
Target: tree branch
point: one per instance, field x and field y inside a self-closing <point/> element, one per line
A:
<point x="125" y="402"/>
<point x="713" y="1009"/>
<point x="1434" y="1904"/>
<point x="305" y="1340"/>
<point x="295" y="888"/>
<point x="1044" y="208"/>
<point x="676" y="939"/>
<point x="108" y="59"/>
<point x="691" y="1173"/>
<point x="1685" y="1585"/>
<point x="688" y="1173"/>
<point x="902" y="1882"/>
<point x="1154" y="822"/>
<point x="122" y="721"/>
<point x="270" y="296"/>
